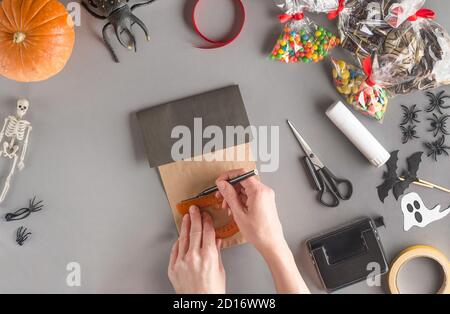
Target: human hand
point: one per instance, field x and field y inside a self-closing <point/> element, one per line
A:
<point x="195" y="263"/>
<point x="254" y="210"/>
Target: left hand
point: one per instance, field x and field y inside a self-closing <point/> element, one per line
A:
<point x="195" y="263"/>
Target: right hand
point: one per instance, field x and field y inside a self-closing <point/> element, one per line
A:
<point x="254" y="210"/>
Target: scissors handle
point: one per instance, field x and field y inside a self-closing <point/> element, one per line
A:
<point x="331" y="188"/>
<point x="327" y="196"/>
<point x="341" y="188"/>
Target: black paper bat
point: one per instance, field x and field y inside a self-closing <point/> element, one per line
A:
<point x="410" y="176"/>
<point x="390" y="177"/>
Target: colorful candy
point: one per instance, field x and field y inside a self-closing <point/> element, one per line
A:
<point x="350" y="81"/>
<point x="298" y="43"/>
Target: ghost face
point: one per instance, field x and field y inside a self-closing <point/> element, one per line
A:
<point x="22" y="107"/>
<point x="416" y="214"/>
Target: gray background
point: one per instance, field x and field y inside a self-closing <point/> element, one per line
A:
<point x="107" y="210"/>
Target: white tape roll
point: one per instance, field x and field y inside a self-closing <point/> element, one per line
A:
<point x="416" y="252"/>
<point x="358" y="134"/>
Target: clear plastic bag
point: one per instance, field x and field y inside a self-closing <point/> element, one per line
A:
<point x="359" y="90"/>
<point x="392" y="12"/>
<point x="395" y="12"/>
<point x="314" y="6"/>
<point x="364" y="24"/>
<point x="414" y="56"/>
<point x="302" y="40"/>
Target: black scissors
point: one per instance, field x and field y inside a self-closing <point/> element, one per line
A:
<point x="329" y="186"/>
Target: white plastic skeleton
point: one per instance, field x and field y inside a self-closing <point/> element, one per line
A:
<point x="14" y="132"/>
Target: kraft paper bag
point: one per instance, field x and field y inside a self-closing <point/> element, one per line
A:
<point x="185" y="179"/>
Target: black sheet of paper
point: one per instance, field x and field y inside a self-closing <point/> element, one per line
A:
<point x="223" y="107"/>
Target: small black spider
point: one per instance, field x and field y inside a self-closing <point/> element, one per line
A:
<point x="408" y="133"/>
<point x="438" y="124"/>
<point x="410" y="114"/>
<point x="22" y="235"/>
<point x="26" y="211"/>
<point x="437" y="148"/>
<point x="437" y="101"/>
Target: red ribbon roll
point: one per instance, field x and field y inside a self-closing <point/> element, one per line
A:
<point x="333" y="14"/>
<point x="367" y="67"/>
<point x="219" y="43"/>
<point x="423" y="13"/>
<point x="284" y="18"/>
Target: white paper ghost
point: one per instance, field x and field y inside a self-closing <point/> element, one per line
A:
<point x="416" y="214"/>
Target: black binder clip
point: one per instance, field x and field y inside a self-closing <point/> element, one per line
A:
<point x="343" y="257"/>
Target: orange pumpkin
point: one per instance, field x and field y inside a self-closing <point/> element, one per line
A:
<point x="36" y="39"/>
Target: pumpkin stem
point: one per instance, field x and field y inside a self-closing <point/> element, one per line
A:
<point x="19" y="37"/>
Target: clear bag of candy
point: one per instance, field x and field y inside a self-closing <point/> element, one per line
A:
<point x="359" y="89"/>
<point x="316" y="6"/>
<point x="392" y="12"/>
<point x="395" y="12"/>
<point x="414" y="56"/>
<point x="302" y="40"/>
<point x="364" y="24"/>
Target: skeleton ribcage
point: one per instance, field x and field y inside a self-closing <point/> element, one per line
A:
<point x="16" y="128"/>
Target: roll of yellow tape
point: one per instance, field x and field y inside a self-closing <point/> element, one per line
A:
<point x="416" y="252"/>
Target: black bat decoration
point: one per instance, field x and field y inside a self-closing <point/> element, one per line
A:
<point x="410" y="176"/>
<point x="390" y="177"/>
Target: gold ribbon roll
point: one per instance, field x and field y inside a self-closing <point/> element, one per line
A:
<point x="416" y="252"/>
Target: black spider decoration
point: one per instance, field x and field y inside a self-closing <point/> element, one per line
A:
<point x="22" y="235"/>
<point x="120" y="16"/>
<point x="438" y="124"/>
<point x="26" y="211"/>
<point x="410" y="115"/>
<point x="409" y="133"/>
<point x="437" y="102"/>
<point x="437" y="148"/>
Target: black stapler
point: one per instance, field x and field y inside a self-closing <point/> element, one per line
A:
<point x="342" y="256"/>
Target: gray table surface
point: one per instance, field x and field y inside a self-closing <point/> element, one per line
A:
<point x="106" y="209"/>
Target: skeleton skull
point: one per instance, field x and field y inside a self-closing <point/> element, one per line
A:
<point x="416" y="214"/>
<point x="22" y="107"/>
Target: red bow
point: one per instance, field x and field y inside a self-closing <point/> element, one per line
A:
<point x="288" y="17"/>
<point x="367" y="67"/>
<point x="333" y="14"/>
<point x="423" y="13"/>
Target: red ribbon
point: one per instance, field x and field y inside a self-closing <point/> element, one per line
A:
<point x="423" y="13"/>
<point x="284" y="18"/>
<point x="224" y="42"/>
<point x="333" y="14"/>
<point x="367" y="67"/>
